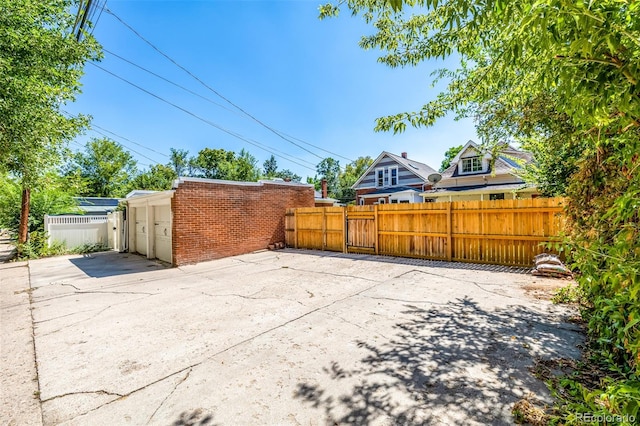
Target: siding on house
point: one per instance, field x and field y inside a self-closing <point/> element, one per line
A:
<point x="497" y="178"/>
<point x="405" y="176"/>
<point x="411" y="175"/>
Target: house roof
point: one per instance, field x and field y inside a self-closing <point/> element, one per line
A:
<point x="421" y="170"/>
<point x="507" y="160"/>
<point x="138" y="192"/>
<point x="97" y="205"/>
<point x="390" y="190"/>
<point x="522" y="186"/>
<point x="317" y="195"/>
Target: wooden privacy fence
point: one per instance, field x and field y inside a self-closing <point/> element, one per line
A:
<point x="505" y="232"/>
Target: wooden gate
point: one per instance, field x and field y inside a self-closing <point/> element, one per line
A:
<point x="361" y="230"/>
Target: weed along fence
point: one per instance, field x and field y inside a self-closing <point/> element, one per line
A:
<point x="75" y="230"/>
<point x="505" y="232"/>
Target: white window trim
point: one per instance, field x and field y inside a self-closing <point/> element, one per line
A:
<point x="361" y="201"/>
<point x="397" y="176"/>
<point x="471" y="159"/>
<point x="382" y="200"/>
<point x="378" y="170"/>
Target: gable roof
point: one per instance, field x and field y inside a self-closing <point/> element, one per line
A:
<point x="507" y="160"/>
<point x="419" y="169"/>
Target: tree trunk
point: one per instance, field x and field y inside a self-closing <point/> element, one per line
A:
<point x="23" y="230"/>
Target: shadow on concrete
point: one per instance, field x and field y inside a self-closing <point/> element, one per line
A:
<point x="111" y="263"/>
<point x="417" y="262"/>
<point x="194" y="418"/>
<point x="453" y="364"/>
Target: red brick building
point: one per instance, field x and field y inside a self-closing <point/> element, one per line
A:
<point x="205" y="219"/>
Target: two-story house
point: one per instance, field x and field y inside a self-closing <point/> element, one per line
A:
<point x="473" y="175"/>
<point x="392" y="179"/>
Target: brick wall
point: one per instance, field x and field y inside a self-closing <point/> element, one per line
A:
<point x="214" y="219"/>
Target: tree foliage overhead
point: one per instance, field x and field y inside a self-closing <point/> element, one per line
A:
<point x="40" y="67"/>
<point x="586" y="53"/>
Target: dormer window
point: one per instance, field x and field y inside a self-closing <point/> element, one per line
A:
<point x="471" y="164"/>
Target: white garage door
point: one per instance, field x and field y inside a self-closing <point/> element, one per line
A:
<point x="162" y="225"/>
<point x="141" y="230"/>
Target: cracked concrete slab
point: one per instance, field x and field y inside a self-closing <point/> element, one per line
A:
<point x="19" y="402"/>
<point x="288" y="337"/>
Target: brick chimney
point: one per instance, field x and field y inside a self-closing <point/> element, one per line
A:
<point x="404" y="155"/>
<point x="324" y="188"/>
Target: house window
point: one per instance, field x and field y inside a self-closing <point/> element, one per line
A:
<point x="496" y="196"/>
<point x="393" y="201"/>
<point x="361" y="202"/>
<point x="393" y="173"/>
<point x="379" y="177"/>
<point x="472" y="164"/>
<point x="381" y="200"/>
<point x="404" y="201"/>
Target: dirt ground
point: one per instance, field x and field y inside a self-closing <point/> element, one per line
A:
<point x="285" y="337"/>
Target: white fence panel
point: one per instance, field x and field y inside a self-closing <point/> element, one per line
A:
<point x="75" y="231"/>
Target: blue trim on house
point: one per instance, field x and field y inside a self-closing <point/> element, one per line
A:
<point x="392" y="190"/>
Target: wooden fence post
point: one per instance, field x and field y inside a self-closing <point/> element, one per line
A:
<point x="295" y="228"/>
<point x="324" y="228"/>
<point x="344" y="229"/>
<point x="375" y="218"/>
<point x="449" y="232"/>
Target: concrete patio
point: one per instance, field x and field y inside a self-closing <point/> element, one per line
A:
<point x="285" y="337"/>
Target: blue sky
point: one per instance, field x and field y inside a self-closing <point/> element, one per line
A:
<point x="276" y="60"/>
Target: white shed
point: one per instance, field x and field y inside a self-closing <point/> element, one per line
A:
<point x="150" y="225"/>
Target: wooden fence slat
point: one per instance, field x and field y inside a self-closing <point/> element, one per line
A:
<point x="507" y="232"/>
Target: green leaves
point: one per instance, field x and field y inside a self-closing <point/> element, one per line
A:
<point x="105" y="167"/>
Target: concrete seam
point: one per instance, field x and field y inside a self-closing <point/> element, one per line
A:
<point x="100" y="391"/>
<point x="33" y="341"/>
<point x="184" y="379"/>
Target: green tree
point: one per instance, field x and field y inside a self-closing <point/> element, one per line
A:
<point x="329" y="169"/>
<point x="179" y="161"/>
<point x="40" y="68"/>
<point x="448" y="156"/>
<point x="214" y="164"/>
<point x="226" y="165"/>
<point x="159" y="177"/>
<point x="350" y="175"/>
<point x="106" y="168"/>
<point x="246" y="167"/>
<point x="287" y="174"/>
<point x="558" y="74"/>
<point x="54" y="196"/>
<point x="270" y="167"/>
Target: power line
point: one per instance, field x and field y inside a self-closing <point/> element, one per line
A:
<point x="195" y="94"/>
<point x="204" y="120"/>
<point x="130" y="149"/>
<point x="211" y="101"/>
<point x="170" y="82"/>
<point x="119" y="143"/>
<point x="129" y="140"/>
<point x="271" y="129"/>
